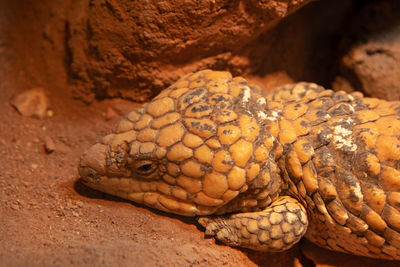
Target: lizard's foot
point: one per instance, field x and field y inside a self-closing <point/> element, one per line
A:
<point x="276" y="228"/>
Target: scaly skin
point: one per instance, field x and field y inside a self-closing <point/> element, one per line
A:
<point x="300" y="161"/>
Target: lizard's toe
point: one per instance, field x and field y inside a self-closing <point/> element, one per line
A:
<point x="212" y="226"/>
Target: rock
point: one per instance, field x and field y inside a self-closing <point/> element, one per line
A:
<point x="272" y="80"/>
<point x="75" y="214"/>
<point x="110" y="113"/>
<point x="340" y="83"/>
<point x="134" y="49"/>
<point x="371" y="51"/>
<point x="14" y="206"/>
<point x="49" y="144"/>
<point x="79" y="204"/>
<point x="34" y="166"/>
<point x="50" y="113"/>
<point x="32" y="103"/>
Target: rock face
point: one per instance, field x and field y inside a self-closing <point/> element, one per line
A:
<point x="371" y="60"/>
<point x="134" y="49"/>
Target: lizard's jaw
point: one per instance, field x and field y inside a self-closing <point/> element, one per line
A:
<point x="154" y="193"/>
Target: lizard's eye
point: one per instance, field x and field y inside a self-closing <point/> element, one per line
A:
<point x="144" y="166"/>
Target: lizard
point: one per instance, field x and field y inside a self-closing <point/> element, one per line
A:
<point x="261" y="169"/>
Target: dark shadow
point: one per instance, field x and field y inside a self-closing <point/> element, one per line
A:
<point x="304" y="44"/>
<point x="88" y="192"/>
<point x="282" y="259"/>
<point x="372" y="22"/>
<point x="304" y="261"/>
<point x="325" y="257"/>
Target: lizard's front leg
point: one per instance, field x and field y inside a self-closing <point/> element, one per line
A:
<point x="276" y="228"/>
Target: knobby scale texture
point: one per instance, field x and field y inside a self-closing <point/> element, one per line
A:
<point x="269" y="168"/>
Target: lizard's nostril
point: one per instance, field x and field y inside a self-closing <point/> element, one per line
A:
<point x="88" y="174"/>
<point x="93" y="160"/>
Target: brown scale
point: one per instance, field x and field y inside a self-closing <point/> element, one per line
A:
<point x="272" y="167"/>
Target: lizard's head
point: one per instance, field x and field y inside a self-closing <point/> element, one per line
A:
<point x="190" y="151"/>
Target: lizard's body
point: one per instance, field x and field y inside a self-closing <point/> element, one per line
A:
<point x="298" y="161"/>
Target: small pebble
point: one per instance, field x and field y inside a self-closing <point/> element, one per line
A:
<point x="79" y="204"/>
<point x="32" y="103"/>
<point x="110" y="113"/>
<point x="50" y="113"/>
<point x="14" y="206"/>
<point x="49" y="144"/>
